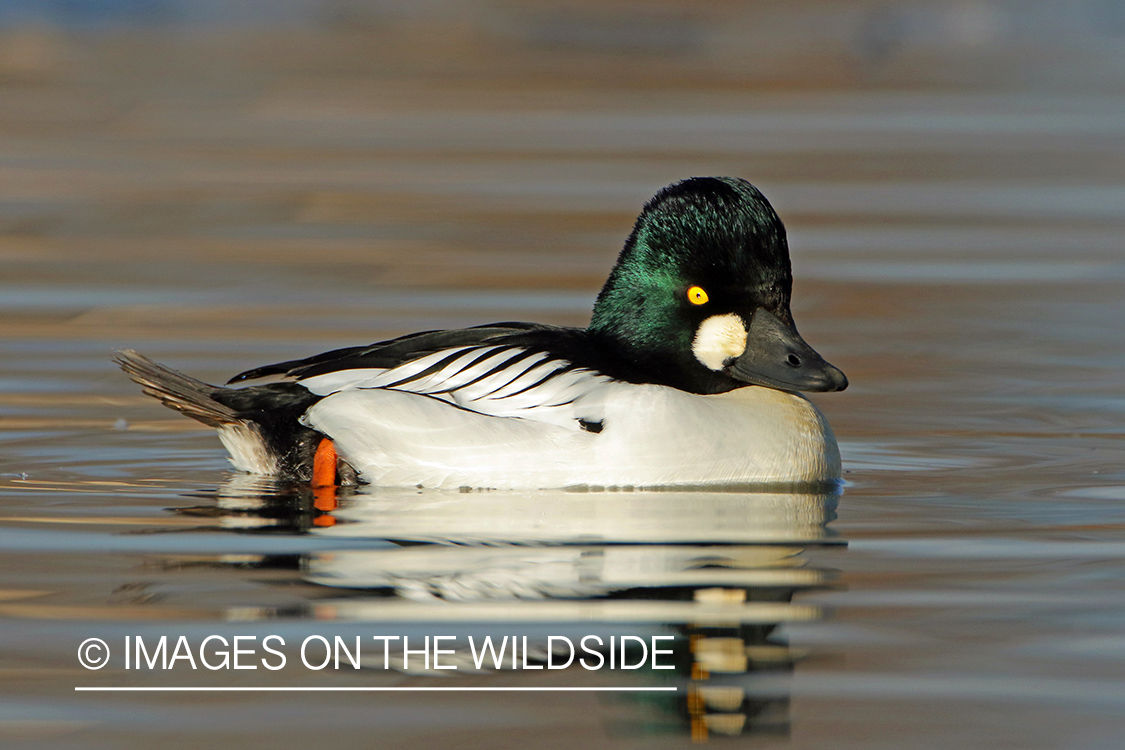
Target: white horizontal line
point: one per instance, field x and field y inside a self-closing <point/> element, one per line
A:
<point x="118" y="689"/>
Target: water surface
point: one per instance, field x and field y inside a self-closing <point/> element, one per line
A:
<point x="957" y="252"/>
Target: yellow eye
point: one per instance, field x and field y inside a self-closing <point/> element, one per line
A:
<point x="697" y="296"/>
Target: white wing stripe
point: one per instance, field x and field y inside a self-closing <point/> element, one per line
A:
<point x="498" y="380"/>
<point x="341" y="380"/>
<point x="554" y="391"/>
<point x="375" y="377"/>
<point x="484" y="369"/>
<point x="529" y="378"/>
<point x="447" y="376"/>
<point x="402" y="374"/>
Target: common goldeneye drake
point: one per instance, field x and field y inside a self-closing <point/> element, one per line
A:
<point x="687" y="375"/>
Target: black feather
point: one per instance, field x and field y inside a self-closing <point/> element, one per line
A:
<point x="273" y="410"/>
<point x="571" y="344"/>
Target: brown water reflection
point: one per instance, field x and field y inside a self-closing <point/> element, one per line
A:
<point x="218" y="196"/>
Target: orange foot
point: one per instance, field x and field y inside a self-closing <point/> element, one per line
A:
<point x="324" y="481"/>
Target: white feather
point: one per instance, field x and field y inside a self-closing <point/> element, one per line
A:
<point x="530" y="377"/>
<point x="719" y="339"/>
<point x="375" y="377"/>
<point x="651" y="436"/>
<point x="486" y="387"/>
<point x="466" y="375"/>
<point x="447" y="376"/>
<point x="247" y="449"/>
<point x="482" y="380"/>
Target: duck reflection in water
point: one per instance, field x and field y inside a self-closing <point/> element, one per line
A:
<point x="717" y="570"/>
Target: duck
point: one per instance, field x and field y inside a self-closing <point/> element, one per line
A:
<point x="689" y="374"/>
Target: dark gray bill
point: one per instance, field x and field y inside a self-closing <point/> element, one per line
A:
<point x="777" y="356"/>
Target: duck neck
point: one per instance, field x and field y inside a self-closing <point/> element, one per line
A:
<point x="657" y="362"/>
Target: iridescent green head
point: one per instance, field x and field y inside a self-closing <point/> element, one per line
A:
<point x="699" y="297"/>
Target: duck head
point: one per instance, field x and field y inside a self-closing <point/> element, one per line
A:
<point x="699" y="297"/>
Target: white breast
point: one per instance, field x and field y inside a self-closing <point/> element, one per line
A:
<point x="651" y="436"/>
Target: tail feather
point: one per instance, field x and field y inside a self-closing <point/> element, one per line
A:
<point x="259" y="425"/>
<point x="176" y="390"/>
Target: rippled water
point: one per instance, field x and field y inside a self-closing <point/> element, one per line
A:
<point x="958" y="252"/>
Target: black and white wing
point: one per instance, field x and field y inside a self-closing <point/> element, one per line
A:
<point x="506" y="370"/>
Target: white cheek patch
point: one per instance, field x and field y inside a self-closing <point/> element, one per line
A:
<point x="718" y="339"/>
